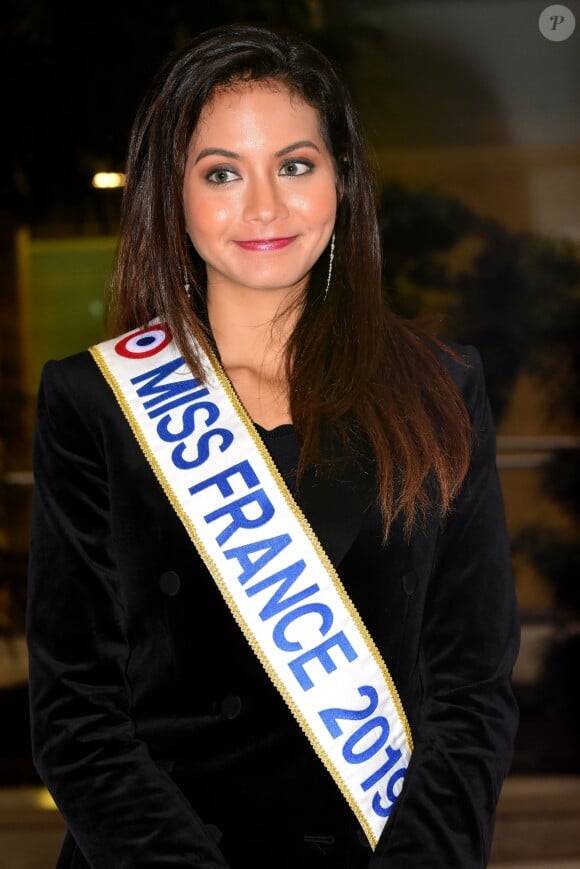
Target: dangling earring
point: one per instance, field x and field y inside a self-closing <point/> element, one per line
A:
<point x="330" y="265"/>
<point x="187" y="289"/>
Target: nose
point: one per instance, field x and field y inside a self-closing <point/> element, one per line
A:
<point x="264" y="201"/>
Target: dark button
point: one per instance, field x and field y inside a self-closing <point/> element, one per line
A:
<point x="169" y="583"/>
<point x="410" y="582"/>
<point x="231" y="706"/>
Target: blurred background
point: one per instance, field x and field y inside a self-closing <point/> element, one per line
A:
<point x="471" y="110"/>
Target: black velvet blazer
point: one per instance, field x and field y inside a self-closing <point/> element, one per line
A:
<point x="153" y="722"/>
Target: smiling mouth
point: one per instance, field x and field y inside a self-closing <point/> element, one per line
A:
<point x="266" y="244"/>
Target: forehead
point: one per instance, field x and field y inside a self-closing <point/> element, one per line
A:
<point x="242" y="107"/>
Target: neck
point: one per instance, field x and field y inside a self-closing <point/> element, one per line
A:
<point x="251" y="329"/>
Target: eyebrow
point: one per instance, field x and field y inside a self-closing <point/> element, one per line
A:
<point x="303" y="143"/>
<point x="223" y="152"/>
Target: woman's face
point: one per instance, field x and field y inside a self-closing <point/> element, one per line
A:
<point x="259" y="189"/>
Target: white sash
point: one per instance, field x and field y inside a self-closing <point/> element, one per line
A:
<point x="269" y="566"/>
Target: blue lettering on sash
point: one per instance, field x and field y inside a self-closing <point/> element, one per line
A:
<point x="353" y="753"/>
<point x="153" y="383"/>
<point x="186" y="398"/>
<point x="188" y="420"/>
<point x="378" y="807"/>
<point x="279" y="632"/>
<point x="239" y="518"/>
<point x="321" y="653"/>
<point x="270" y="548"/>
<point x="221" y="480"/>
<point x="183" y="463"/>
<point x="285" y="578"/>
<point x="163" y="396"/>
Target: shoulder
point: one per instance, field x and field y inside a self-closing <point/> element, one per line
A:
<point x="77" y="374"/>
<point x="73" y="386"/>
<point x="75" y="369"/>
<point x="460" y="364"/>
<point x="464" y="365"/>
<point x="461" y="361"/>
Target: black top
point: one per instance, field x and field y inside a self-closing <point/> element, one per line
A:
<point x="153" y="721"/>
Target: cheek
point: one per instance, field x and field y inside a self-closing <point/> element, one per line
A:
<point x="206" y="219"/>
<point x="320" y="207"/>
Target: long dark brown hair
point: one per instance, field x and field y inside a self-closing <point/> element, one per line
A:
<point x="359" y="377"/>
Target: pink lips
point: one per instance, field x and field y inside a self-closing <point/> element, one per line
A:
<point x="266" y="244"/>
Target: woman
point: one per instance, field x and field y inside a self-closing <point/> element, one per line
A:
<point x="271" y="617"/>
